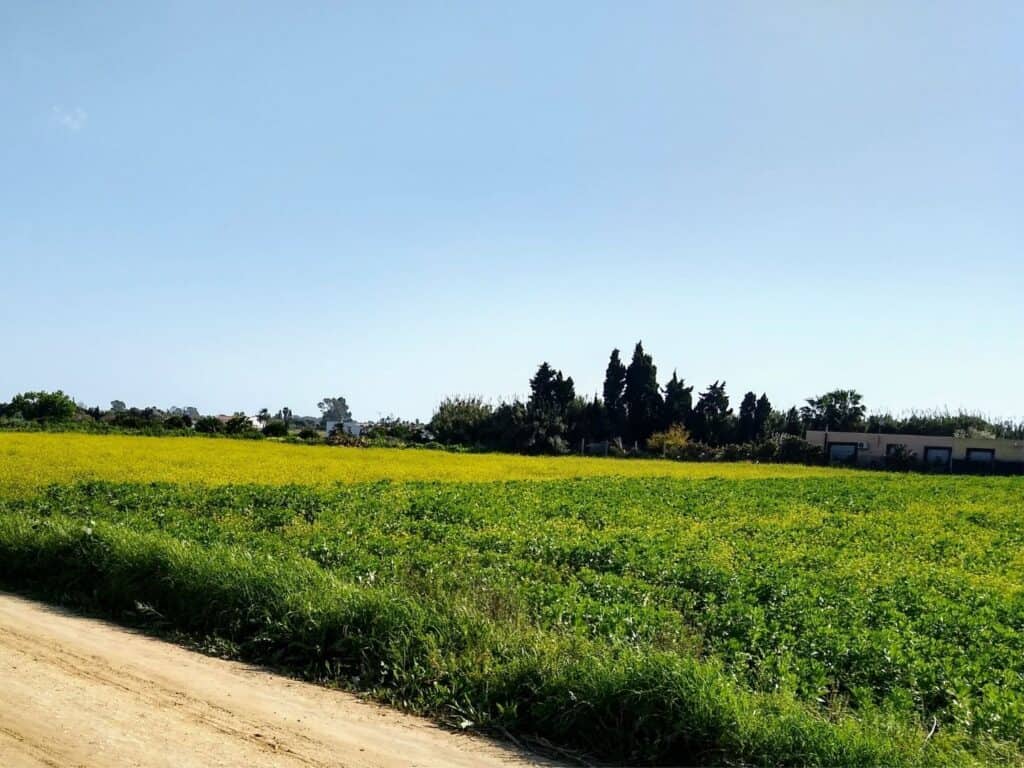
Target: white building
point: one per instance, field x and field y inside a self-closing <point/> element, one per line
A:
<point x="349" y="427"/>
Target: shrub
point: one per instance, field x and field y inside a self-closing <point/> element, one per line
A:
<point x="41" y="406"/>
<point x="462" y="420"/>
<point x="239" y="424"/>
<point x="209" y="425"/>
<point x="275" y="428"/>
<point x="698" y="452"/>
<point x="732" y="452"/>
<point x="395" y="429"/>
<point x="554" y="445"/>
<point x="339" y="436"/>
<point x="796" y="450"/>
<point x="177" y="421"/>
<point x="764" y="451"/>
<point x="900" y="458"/>
<point x="308" y="433"/>
<point x="671" y="443"/>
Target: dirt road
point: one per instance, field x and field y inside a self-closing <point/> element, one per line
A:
<point x="81" y="692"/>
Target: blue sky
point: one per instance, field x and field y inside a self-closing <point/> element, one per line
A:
<point x="243" y="205"/>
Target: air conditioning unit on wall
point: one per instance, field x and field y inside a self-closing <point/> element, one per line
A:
<point x="863" y="446"/>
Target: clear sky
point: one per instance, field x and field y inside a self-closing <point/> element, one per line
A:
<point x="244" y="205"/>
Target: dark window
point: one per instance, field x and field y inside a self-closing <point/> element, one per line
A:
<point x="981" y="455"/>
<point x="938" y="456"/>
<point x="842" y="452"/>
<point x="891" y="448"/>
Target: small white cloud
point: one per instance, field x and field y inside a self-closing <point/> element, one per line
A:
<point x="72" y="119"/>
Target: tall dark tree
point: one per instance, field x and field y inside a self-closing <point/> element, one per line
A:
<point x="840" y="410"/>
<point x="746" y="426"/>
<point x="587" y="420"/>
<point x="510" y="427"/>
<point x="551" y="395"/>
<point x="642" y="395"/>
<point x="712" y="416"/>
<point x="793" y="425"/>
<point x="334" y="409"/>
<point x="550" y="392"/>
<point x="762" y="416"/>
<point x="614" y="394"/>
<point x="285" y="415"/>
<point x="678" y="403"/>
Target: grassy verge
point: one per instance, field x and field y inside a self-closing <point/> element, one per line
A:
<point x="628" y="706"/>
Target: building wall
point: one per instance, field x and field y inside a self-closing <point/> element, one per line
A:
<point x="1006" y="450"/>
<point x="872" y="446"/>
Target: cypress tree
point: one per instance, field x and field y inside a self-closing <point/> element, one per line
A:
<point x="746" y="427"/>
<point x="712" y="416"/>
<point x="551" y="392"/>
<point x="762" y="413"/>
<point x="614" y="391"/>
<point x="551" y="395"/>
<point x="643" y="396"/>
<point x="794" y="424"/>
<point x="678" y="403"/>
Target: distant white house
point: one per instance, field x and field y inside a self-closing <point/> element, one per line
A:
<point x="349" y="427"/>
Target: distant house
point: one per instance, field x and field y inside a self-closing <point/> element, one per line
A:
<point x="961" y="454"/>
<point x="349" y="427"/>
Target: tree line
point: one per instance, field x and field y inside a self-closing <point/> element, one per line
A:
<point x="631" y="408"/>
<point x="57" y="410"/>
<point x="634" y="412"/>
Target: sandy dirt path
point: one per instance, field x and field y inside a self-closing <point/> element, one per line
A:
<point x="81" y="692"/>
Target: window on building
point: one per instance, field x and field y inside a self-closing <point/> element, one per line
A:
<point x="844" y="453"/>
<point x="891" y="448"/>
<point x="981" y="455"/>
<point x="938" y="456"/>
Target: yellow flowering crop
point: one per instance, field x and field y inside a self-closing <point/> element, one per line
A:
<point x="31" y="460"/>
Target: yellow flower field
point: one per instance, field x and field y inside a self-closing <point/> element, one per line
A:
<point x="31" y="460"/>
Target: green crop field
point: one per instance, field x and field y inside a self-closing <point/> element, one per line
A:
<point x="644" y="612"/>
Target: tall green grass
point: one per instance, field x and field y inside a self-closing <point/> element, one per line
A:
<point x="657" y="621"/>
